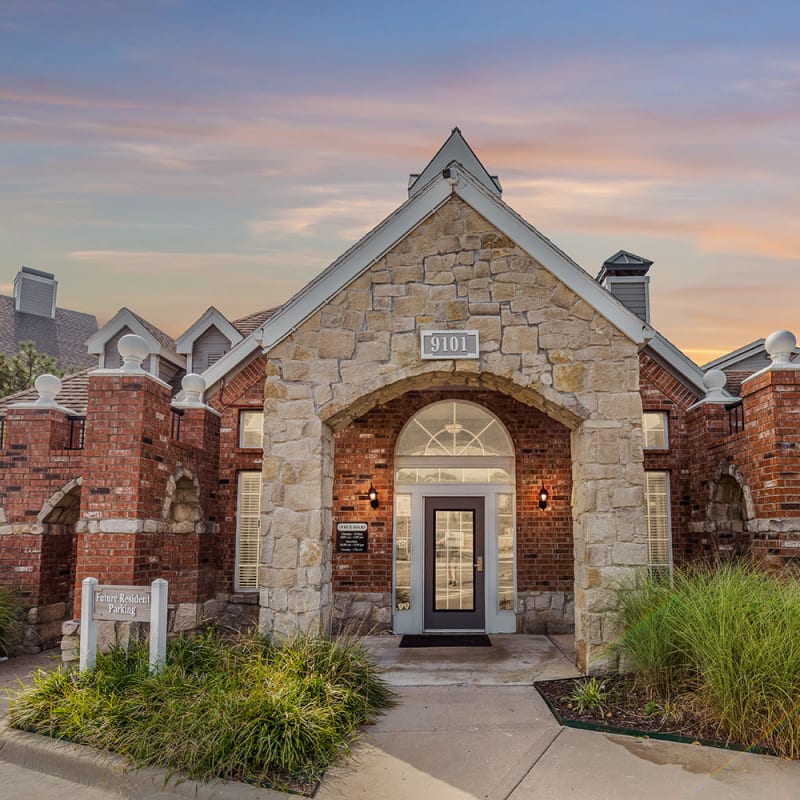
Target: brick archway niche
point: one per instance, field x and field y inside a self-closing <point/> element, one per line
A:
<point x="541" y="345"/>
<point x="364" y="453"/>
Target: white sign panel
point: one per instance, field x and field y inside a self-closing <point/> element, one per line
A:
<point x="449" y="344"/>
<point x="126" y="604"/>
<point x="122" y="603"/>
<point x="351" y="526"/>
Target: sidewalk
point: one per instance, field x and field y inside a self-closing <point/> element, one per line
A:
<point x="468" y="726"/>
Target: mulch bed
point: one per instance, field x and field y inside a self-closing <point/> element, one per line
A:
<point x="628" y="709"/>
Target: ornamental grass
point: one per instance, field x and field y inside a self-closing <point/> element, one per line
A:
<point x="271" y="714"/>
<point x="11" y="621"/>
<point x="726" y="641"/>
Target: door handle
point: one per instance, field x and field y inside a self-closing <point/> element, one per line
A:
<point x="479" y="565"/>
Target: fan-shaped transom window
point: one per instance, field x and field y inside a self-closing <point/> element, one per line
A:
<point x="454" y="428"/>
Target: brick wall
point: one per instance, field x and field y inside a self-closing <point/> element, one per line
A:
<point x="34" y="466"/>
<point x="126" y="533"/>
<point x="661" y="391"/>
<point x="244" y="392"/>
<point x="764" y="459"/>
<point x="364" y="452"/>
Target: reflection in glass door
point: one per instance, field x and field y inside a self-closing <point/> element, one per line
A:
<point x="454" y="568"/>
<point x="455" y="547"/>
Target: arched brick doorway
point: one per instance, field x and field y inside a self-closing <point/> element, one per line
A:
<point x="727" y="520"/>
<point x="57" y="567"/>
<point x="529" y="551"/>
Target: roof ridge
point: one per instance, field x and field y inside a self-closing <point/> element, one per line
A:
<point x="164" y="338"/>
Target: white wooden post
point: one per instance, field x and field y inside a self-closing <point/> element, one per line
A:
<point x="88" y="652"/>
<point x="158" y="625"/>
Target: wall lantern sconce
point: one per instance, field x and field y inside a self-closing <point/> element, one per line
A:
<point x="372" y="493"/>
<point x="543" y="495"/>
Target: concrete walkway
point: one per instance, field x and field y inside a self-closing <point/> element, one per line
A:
<point x="468" y="726"/>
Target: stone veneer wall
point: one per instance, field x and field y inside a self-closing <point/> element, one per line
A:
<point x="540" y="343"/>
<point x="545" y="612"/>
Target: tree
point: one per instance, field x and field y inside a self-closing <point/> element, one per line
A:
<point x="21" y="370"/>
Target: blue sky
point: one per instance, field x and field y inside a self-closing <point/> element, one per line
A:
<point x="171" y="155"/>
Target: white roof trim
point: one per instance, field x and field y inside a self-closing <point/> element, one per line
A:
<point x="212" y="317"/>
<point x="741" y="353"/>
<point x="729" y="360"/>
<point x="335" y="277"/>
<point x="399" y="224"/>
<point x="522" y="233"/>
<point x="455" y="149"/>
<point x="124" y="318"/>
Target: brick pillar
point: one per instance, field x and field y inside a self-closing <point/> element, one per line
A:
<point x="127" y="441"/>
<point x="771" y="404"/>
<point x="188" y="558"/>
<point x="29" y="480"/>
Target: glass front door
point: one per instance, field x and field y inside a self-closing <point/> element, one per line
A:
<point x="454" y="563"/>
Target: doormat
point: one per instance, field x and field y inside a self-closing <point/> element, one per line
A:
<point x="446" y="640"/>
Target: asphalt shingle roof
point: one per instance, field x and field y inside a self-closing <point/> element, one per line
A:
<point x="64" y="337"/>
<point x="73" y="394"/>
<point x="246" y="325"/>
<point x="164" y="339"/>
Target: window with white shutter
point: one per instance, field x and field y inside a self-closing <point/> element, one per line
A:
<point x="659" y="527"/>
<point x="248" y="538"/>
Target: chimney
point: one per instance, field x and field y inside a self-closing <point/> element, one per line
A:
<point x="625" y="276"/>
<point x="35" y="292"/>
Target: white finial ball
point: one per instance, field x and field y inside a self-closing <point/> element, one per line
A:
<point x="193" y="386"/>
<point x="714" y="380"/>
<point x="780" y="346"/>
<point x="48" y="387"/>
<point x="133" y="350"/>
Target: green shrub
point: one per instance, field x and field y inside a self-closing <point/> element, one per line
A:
<point x="244" y="710"/>
<point x="589" y="695"/>
<point x="11" y="621"/>
<point x="729" y="638"/>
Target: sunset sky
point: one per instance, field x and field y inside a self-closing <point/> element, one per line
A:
<point x="168" y="155"/>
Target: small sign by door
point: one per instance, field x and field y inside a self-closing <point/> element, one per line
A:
<point x="351" y="537"/>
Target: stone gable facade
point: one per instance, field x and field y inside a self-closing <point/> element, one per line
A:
<point x="540" y="344"/>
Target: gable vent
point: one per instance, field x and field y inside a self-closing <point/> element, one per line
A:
<point x="35" y="292"/>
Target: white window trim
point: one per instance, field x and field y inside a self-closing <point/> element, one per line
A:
<point x="240" y="433"/>
<point x="497" y="621"/>
<point x="664" y="416"/>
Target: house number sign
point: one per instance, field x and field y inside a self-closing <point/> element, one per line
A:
<point x="449" y="344"/>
